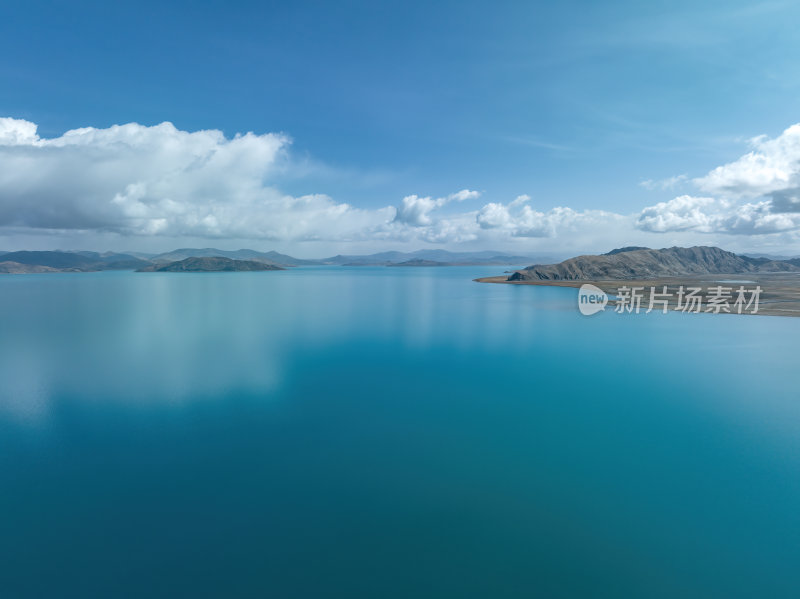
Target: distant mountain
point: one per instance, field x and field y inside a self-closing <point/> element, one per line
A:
<point x="56" y="260"/>
<point x="86" y="261"/>
<point x="75" y="261"/>
<point x="443" y="256"/>
<point x="285" y="260"/>
<point x="115" y="261"/>
<point x="648" y="264"/>
<point x="773" y="257"/>
<point x="380" y="259"/>
<point x="16" y="268"/>
<point x="630" y="248"/>
<point x="210" y="264"/>
<point x="419" y="262"/>
<point x="244" y="254"/>
<point x="141" y="255"/>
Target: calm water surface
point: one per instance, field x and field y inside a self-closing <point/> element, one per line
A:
<point x="388" y="432"/>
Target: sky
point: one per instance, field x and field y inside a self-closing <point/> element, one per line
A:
<point x="316" y="128"/>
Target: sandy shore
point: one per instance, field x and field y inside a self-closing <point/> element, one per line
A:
<point x="780" y="294"/>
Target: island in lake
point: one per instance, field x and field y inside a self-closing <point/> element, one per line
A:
<point x="210" y="264"/>
<point x="421" y="262"/>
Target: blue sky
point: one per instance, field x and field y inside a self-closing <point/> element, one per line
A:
<point x="573" y="104"/>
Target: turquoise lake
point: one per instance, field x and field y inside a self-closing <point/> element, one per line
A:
<point x="388" y="432"/>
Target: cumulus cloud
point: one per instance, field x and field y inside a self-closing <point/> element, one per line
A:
<point x="518" y="219"/>
<point x="416" y="211"/>
<point x="520" y="200"/>
<point x="17" y="132"/>
<point x="455" y="228"/>
<point x="139" y="180"/>
<point x="681" y="214"/>
<point x="418" y="218"/>
<point x="771" y="165"/>
<point x="757" y="194"/>
<point x="710" y="215"/>
<point x="758" y="218"/>
<point x="159" y="181"/>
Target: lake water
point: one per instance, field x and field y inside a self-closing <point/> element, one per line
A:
<point x="388" y="432"/>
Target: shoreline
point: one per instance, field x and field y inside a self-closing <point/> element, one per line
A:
<point x="780" y="294"/>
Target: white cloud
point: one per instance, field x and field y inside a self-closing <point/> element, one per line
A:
<point x="759" y="218"/>
<point x="520" y="200"/>
<point x="17" y="132"/>
<point x="417" y="218"/>
<point x="416" y="211"/>
<point x="520" y="220"/>
<point x="494" y="216"/>
<point x="464" y="194"/>
<point x="758" y="194"/>
<point x="772" y="165"/>
<point x="138" y="180"/>
<point x="664" y="184"/>
<point x="709" y="215"/>
<point x="680" y="214"/>
<point x="158" y="182"/>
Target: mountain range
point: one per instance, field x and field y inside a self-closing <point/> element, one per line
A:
<point x="439" y="256"/>
<point x="84" y="261"/>
<point x="56" y="261"/>
<point x="623" y="263"/>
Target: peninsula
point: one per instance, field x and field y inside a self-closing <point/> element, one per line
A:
<point x="700" y="266"/>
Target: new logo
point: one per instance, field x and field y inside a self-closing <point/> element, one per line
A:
<point x="591" y="299"/>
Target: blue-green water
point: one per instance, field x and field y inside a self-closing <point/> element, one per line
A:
<point x="388" y="432"/>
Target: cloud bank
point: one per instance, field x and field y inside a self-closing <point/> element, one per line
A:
<point x="757" y="194"/>
<point x="416" y="211"/>
<point x="137" y="181"/>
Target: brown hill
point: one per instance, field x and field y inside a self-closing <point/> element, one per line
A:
<point x="649" y="264"/>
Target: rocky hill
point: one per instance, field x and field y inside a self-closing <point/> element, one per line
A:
<point x="632" y="263"/>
